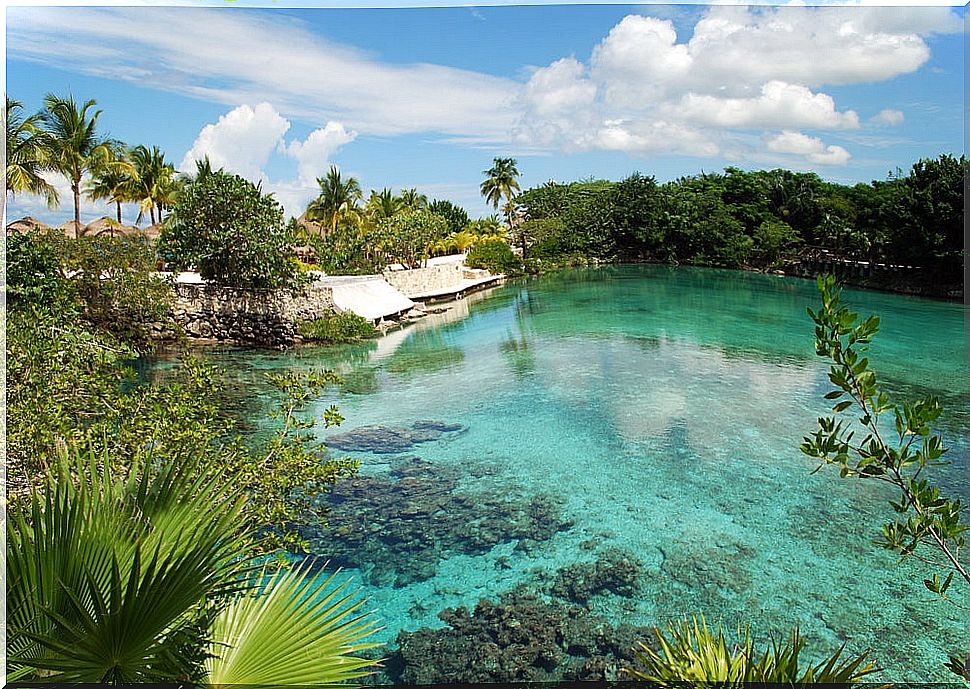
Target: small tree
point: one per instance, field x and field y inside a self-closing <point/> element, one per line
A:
<point x="456" y="216"/>
<point x="929" y="525"/>
<point x="233" y="234"/>
<point x="407" y="237"/>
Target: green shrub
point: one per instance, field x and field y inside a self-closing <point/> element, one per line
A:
<point x="35" y="272"/>
<point x="495" y="256"/>
<point x="691" y="652"/>
<point x="406" y="238"/>
<point x="232" y="233"/>
<point x="107" y="283"/>
<point x="340" y="327"/>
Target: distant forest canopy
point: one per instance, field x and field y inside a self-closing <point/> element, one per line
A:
<point x="759" y="219"/>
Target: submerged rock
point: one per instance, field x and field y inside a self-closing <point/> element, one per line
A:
<point x="615" y="571"/>
<point x="390" y="439"/>
<point x="397" y="528"/>
<point x="520" y="638"/>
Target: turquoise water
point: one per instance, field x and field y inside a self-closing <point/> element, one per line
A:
<point x="657" y="410"/>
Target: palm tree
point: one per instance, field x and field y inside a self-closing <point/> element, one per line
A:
<point x="73" y="143"/>
<point x="26" y="155"/>
<point x="338" y="199"/>
<point x="382" y="205"/>
<point x="116" y="183"/>
<point x="413" y="201"/>
<point x="500" y="181"/>
<point x="156" y="187"/>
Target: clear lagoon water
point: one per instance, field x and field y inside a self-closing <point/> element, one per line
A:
<point x="660" y="410"/>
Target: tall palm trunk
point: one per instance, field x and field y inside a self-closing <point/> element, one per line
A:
<point x="118" y="204"/>
<point x="152" y="211"/>
<point x="76" y="188"/>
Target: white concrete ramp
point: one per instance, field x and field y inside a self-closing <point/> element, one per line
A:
<point x="367" y="295"/>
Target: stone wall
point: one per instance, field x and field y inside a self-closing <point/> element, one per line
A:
<point x="435" y="278"/>
<point x="266" y="317"/>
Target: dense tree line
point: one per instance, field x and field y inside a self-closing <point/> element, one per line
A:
<point x="758" y="219"/>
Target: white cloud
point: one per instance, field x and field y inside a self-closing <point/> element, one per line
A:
<point x="241" y="141"/>
<point x="244" y="139"/>
<point x="888" y="116"/>
<point x="235" y="57"/>
<point x="778" y="105"/>
<point x="810" y="148"/>
<point x="313" y="153"/>
<point x="644" y="89"/>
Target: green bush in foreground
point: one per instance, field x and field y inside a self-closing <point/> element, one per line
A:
<point x="338" y="328"/>
<point x="692" y="652"/>
<point x="145" y="579"/>
<point x="495" y="256"/>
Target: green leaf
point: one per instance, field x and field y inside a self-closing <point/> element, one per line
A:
<point x="296" y="630"/>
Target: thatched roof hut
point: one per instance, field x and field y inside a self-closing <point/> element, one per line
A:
<point x="72" y="229"/>
<point x="110" y="227"/>
<point x="311" y="226"/>
<point x="152" y="231"/>
<point x="27" y="225"/>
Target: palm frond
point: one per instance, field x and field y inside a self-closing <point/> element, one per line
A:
<point x="282" y="633"/>
<point x="84" y="605"/>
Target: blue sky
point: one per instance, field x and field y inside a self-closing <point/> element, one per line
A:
<point x="426" y="97"/>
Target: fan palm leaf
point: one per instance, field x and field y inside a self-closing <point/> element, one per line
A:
<point x="282" y="632"/>
<point x="108" y="575"/>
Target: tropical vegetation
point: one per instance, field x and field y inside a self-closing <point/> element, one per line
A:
<point x="73" y="145"/>
<point x="693" y="654"/>
<point x="143" y="577"/>
<point x="338" y="201"/>
<point x="495" y="256"/>
<point x="26" y="155"/>
<point x="142" y="512"/>
<point x="501" y="180"/>
<point x="928" y="525"/>
<point x="342" y="327"/>
<point x="233" y="234"/>
<point x="757" y="219"/>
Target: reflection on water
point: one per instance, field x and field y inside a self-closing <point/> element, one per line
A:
<point x="653" y="412"/>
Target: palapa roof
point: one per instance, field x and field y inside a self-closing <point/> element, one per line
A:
<point x="311" y="226"/>
<point x="68" y="229"/>
<point x="26" y="225"/>
<point x="108" y="226"/>
<point x="152" y="231"/>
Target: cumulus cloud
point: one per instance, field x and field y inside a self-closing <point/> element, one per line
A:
<point x="811" y="148"/>
<point x="888" y="116"/>
<point x="646" y="89"/>
<point x="241" y="141"/>
<point x="244" y="139"/>
<point x="778" y="105"/>
<point x="313" y="153"/>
